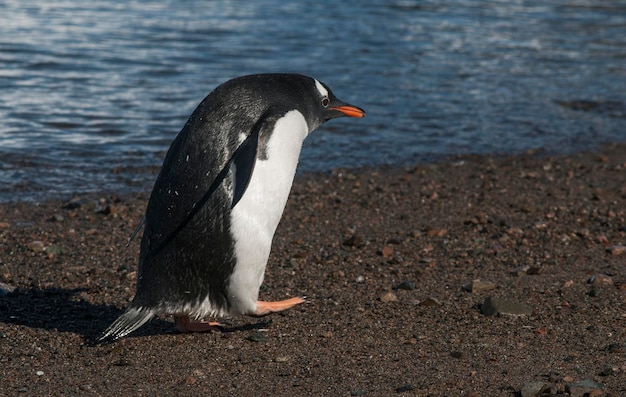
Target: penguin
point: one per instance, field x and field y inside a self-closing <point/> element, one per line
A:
<point x="219" y="196"/>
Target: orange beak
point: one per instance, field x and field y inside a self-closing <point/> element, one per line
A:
<point x="350" y="111"/>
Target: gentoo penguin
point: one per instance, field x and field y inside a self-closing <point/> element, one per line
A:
<point x="217" y="201"/>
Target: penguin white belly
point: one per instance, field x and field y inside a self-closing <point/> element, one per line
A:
<point x="255" y="217"/>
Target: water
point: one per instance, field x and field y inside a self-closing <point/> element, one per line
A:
<point x="92" y="93"/>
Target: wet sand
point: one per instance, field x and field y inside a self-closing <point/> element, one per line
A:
<point x="387" y="259"/>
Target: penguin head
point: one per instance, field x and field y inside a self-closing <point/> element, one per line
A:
<point x="325" y="105"/>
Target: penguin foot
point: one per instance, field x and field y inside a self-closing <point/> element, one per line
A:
<point x="265" y="308"/>
<point x="184" y="325"/>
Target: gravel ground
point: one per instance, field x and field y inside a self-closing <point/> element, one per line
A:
<point x="403" y="270"/>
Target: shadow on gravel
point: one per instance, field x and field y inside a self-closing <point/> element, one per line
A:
<point x="62" y="310"/>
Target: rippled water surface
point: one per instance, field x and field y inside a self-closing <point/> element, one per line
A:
<point x="92" y="93"/>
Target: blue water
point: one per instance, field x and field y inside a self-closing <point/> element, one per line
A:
<point x="92" y="93"/>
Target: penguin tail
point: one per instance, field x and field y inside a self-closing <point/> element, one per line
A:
<point x="129" y="321"/>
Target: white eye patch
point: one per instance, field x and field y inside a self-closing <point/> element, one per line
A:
<point x="323" y="91"/>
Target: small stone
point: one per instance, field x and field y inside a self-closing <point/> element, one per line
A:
<point x="6" y="289"/>
<point x="478" y="285"/>
<point x="404" y="388"/>
<point x="533" y="389"/>
<point x="54" y="250"/>
<point x="386" y="252"/>
<point x="492" y="306"/>
<point x="190" y="380"/>
<point x="405" y="285"/>
<point x="360" y="279"/>
<point x="586" y="387"/>
<point x="594" y="293"/>
<point x="36" y="246"/>
<point x="72" y="205"/>
<point x="258" y="337"/>
<point x="281" y="359"/>
<point x="388" y="297"/>
<point x="357" y="392"/>
<point x="456" y="354"/>
<point x="122" y="362"/>
<point x="615" y="348"/>
<point x="600" y="279"/>
<point x="609" y="370"/>
<point x="56" y="218"/>
<point x="430" y="302"/>
<point x="4" y="225"/>
<point x="617" y="249"/>
<point x="39" y="373"/>
<point x="521" y="270"/>
<point x="430" y="232"/>
<point x="354" y="241"/>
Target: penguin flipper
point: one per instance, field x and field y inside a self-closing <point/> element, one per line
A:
<point x="242" y="163"/>
<point x="129" y="321"/>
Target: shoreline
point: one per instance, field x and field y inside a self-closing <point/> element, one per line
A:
<point x="387" y="257"/>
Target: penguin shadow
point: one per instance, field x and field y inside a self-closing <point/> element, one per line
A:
<point x="63" y="310"/>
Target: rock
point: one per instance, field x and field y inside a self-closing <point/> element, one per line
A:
<point x="594" y="293"/>
<point x="354" y="241"/>
<point x="6" y="289"/>
<point x="36" y="246"/>
<point x="533" y="389"/>
<point x="404" y="388"/>
<point x="586" y="387"/>
<point x="615" y="348"/>
<point x="258" y="337"/>
<point x="617" y="249"/>
<point x="521" y="270"/>
<point x="56" y="218"/>
<point x="610" y="370"/>
<point x="430" y="302"/>
<point x="478" y="285"/>
<point x="54" y="250"/>
<point x="405" y="285"/>
<point x="600" y="279"/>
<point x="72" y="205"/>
<point x="431" y="232"/>
<point x="386" y="252"/>
<point x="492" y="306"/>
<point x="388" y="297"/>
<point x="456" y="354"/>
<point x="4" y="225"/>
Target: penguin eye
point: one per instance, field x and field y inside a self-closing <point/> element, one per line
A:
<point x="325" y="102"/>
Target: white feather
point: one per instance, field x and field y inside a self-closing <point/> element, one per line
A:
<point x="255" y="218"/>
<point x="323" y="91"/>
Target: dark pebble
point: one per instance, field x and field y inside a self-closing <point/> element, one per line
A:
<point x="72" y="205"/>
<point x="404" y="388"/>
<point x="55" y="218"/>
<point x="594" y="293"/>
<point x="354" y="241"/>
<point x="456" y="354"/>
<point x="257" y="337"/>
<point x="405" y="285"/>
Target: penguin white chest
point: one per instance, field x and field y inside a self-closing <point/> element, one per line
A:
<point x="255" y="217"/>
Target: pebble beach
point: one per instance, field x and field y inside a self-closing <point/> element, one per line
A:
<point x="473" y="276"/>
